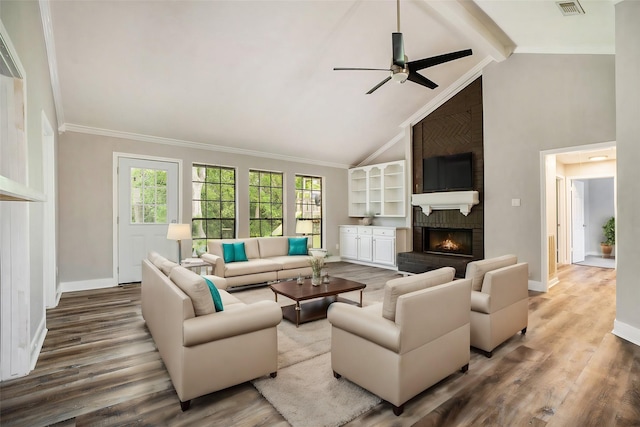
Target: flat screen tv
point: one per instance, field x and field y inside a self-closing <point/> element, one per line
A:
<point x="448" y="173"/>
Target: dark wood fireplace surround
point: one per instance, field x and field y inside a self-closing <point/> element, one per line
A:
<point x="455" y="127"/>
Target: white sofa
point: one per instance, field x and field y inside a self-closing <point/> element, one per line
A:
<point x="268" y="260"/>
<point x="416" y="337"/>
<point x="499" y="300"/>
<point x="205" y="350"/>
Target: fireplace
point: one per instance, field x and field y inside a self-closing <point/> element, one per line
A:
<point x="448" y="241"/>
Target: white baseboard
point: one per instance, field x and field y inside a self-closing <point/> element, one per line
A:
<point x="85" y="285"/>
<point x="38" y="342"/>
<point x="537" y="286"/>
<point x="626" y="331"/>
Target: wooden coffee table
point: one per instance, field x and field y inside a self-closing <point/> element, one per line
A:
<point x="324" y="295"/>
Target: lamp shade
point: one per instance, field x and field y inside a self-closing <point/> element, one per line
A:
<point x="179" y="231"/>
<point x="304" y="226"/>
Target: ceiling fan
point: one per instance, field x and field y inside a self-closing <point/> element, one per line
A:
<point x="402" y="69"/>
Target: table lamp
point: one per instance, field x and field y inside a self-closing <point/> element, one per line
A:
<point x="179" y="232"/>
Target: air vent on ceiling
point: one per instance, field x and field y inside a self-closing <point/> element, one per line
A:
<point x="569" y="8"/>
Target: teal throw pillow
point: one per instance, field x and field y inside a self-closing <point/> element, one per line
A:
<point x="217" y="300"/>
<point x="228" y="252"/>
<point x="297" y="246"/>
<point x="238" y="252"/>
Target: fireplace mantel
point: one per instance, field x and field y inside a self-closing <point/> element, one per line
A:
<point x="449" y="200"/>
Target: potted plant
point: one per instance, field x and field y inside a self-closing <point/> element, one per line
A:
<point x="609" y="229"/>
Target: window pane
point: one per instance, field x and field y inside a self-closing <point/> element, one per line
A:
<point x="197" y="227"/>
<point x="161" y="195"/>
<point x="161" y="178"/>
<point x="228" y="210"/>
<point x="265" y="203"/>
<point x="208" y="195"/>
<point x="149" y="214"/>
<point x="309" y="204"/>
<point x="227" y="193"/>
<point x="161" y="214"/>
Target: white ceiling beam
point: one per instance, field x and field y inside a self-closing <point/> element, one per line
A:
<point x="468" y="21"/>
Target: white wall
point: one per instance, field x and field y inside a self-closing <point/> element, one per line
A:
<point x="22" y="22"/>
<point x="534" y="103"/>
<point x="86" y="197"/>
<point x="627" y="70"/>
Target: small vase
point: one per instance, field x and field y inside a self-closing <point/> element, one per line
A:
<point x="316" y="278"/>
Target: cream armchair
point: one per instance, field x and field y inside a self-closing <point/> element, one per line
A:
<point x="415" y="338"/>
<point x="499" y="301"/>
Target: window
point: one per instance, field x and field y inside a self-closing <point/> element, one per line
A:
<point x="214" y="204"/>
<point x="309" y="205"/>
<point x="148" y="196"/>
<point x="265" y="203"/>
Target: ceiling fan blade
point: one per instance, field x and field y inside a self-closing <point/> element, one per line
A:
<point x="398" y="49"/>
<point x="361" y="69"/>
<point x="378" y="85"/>
<point x="421" y="80"/>
<point x="420" y="64"/>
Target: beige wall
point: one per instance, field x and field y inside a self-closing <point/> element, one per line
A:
<point x="533" y="103"/>
<point x="628" y="173"/>
<point x="22" y="21"/>
<point x="86" y="196"/>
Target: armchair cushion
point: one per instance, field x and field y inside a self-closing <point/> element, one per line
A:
<point x="242" y="320"/>
<point x="196" y="288"/>
<point x="477" y="269"/>
<point x="397" y="287"/>
<point x="367" y="324"/>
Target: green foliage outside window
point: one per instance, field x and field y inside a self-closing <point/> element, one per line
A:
<point x="214" y="204"/>
<point x="309" y="205"/>
<point x="148" y="196"/>
<point x="265" y="203"/>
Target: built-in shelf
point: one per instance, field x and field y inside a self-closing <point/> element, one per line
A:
<point x="377" y="189"/>
<point x="448" y="200"/>
<point x="13" y="191"/>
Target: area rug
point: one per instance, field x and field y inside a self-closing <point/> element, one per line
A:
<point x="306" y="394"/>
<point x="305" y="391"/>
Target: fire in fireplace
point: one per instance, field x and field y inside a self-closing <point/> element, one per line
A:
<point x="449" y="241"/>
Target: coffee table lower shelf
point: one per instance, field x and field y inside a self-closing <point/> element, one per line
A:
<point x="312" y="310"/>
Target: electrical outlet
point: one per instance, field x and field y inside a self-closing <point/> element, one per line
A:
<point x="337" y="246"/>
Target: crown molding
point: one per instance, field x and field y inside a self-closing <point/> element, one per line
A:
<point x="70" y="127"/>
<point x="47" y="27"/>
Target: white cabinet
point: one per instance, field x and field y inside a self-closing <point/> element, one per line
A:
<point x="384" y="246"/>
<point x="372" y="245"/>
<point x="379" y="189"/>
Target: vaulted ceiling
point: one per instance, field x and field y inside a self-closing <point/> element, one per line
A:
<point x="257" y="77"/>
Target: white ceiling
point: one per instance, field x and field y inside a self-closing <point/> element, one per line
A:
<point x="257" y="76"/>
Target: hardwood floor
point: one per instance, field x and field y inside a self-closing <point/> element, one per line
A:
<point x="99" y="366"/>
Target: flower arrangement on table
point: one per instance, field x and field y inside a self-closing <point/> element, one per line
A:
<point x="316" y="263"/>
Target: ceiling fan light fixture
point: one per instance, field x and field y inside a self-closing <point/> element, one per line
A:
<point x="400" y="76"/>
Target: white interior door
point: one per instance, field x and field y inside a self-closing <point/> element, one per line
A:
<point x="577" y="222"/>
<point x="147" y="203"/>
